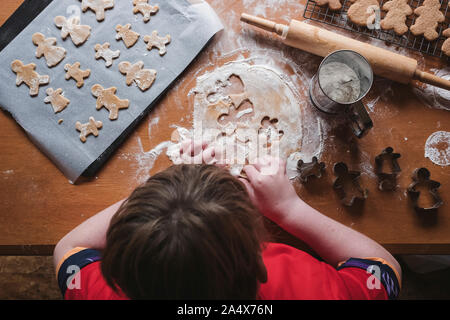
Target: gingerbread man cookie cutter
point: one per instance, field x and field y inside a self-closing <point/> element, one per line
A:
<point x="311" y="169"/>
<point x="26" y="74"/>
<point x="421" y="177"/>
<point x="387" y="181"/>
<point x="342" y="182"/>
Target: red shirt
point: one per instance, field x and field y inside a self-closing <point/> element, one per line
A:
<point x="292" y="274"/>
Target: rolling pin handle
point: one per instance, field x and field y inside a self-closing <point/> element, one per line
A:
<point x="265" y="24"/>
<point x="432" y="79"/>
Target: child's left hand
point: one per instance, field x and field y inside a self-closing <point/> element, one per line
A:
<point x="194" y="152"/>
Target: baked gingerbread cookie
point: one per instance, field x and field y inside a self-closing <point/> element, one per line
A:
<point x="429" y="16"/>
<point x="89" y="128"/>
<point x="102" y="51"/>
<point x="46" y="47"/>
<point x="154" y="41"/>
<point x="362" y="12"/>
<point x="446" y="45"/>
<point x="144" y="8"/>
<point x="98" y="6"/>
<point x="332" y="4"/>
<point x="107" y="98"/>
<point x="78" y="33"/>
<point x="136" y="73"/>
<point x="128" y="36"/>
<point x="397" y="11"/>
<point x="73" y="71"/>
<point x="26" y="74"/>
<point x="56" y="98"/>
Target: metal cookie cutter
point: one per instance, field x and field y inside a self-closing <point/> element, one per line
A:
<point x="311" y="169"/>
<point x="421" y="177"/>
<point x="387" y="181"/>
<point x="346" y="178"/>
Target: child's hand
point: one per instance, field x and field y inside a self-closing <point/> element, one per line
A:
<point x="269" y="188"/>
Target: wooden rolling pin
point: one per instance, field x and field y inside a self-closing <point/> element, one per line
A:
<point x="322" y="42"/>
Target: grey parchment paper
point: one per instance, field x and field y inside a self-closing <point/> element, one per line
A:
<point x="190" y="24"/>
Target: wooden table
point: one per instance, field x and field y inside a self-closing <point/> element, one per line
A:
<point x="38" y="205"/>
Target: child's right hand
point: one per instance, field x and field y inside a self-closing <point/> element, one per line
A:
<point x="269" y="187"/>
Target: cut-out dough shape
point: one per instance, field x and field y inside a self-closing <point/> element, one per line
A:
<point x="103" y="51"/>
<point x="362" y="12"/>
<point x="78" y="33"/>
<point x="56" y="98"/>
<point x="107" y="98"/>
<point x="98" y="6"/>
<point x="428" y="19"/>
<point x="154" y="41"/>
<point x="89" y="128"/>
<point x="143" y="78"/>
<point x="27" y="75"/>
<point x="46" y="47"/>
<point x="128" y="36"/>
<point x="446" y="45"/>
<point x="74" y="72"/>
<point x="144" y="8"/>
<point x="332" y="4"/>
<point x="397" y="11"/>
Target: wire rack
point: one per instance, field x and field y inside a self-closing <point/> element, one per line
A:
<point x="408" y="40"/>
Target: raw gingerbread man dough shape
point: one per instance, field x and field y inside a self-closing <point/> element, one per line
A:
<point x="428" y="19"/>
<point x="46" y="47"/>
<point x="143" y="7"/>
<point x="89" y="128"/>
<point x="154" y="41"/>
<point x="27" y="75"/>
<point x="107" y="98"/>
<point x="103" y="51"/>
<point x="363" y="12"/>
<point x="332" y="4"/>
<point x="78" y="33"/>
<point x="143" y="78"/>
<point x="98" y="6"/>
<point x="446" y="45"/>
<point x="56" y="98"/>
<point x="74" y="72"/>
<point x="397" y="11"/>
<point x="128" y="36"/>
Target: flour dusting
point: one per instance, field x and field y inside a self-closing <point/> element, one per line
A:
<point x="437" y="148"/>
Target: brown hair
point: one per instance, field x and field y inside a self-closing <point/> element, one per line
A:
<point x="189" y="232"/>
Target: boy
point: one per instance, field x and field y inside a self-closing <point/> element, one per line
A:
<point x="196" y="232"/>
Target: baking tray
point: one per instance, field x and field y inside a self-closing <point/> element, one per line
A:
<point x="191" y="25"/>
<point x="408" y="40"/>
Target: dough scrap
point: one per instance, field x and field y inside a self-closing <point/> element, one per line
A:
<point x="143" y="78"/>
<point x="78" y="33"/>
<point x="429" y="16"/>
<point x="27" y="75"/>
<point x="446" y="45"/>
<point x="74" y="72"/>
<point x="332" y="4"/>
<point x="397" y="11"/>
<point x="362" y="12"/>
<point x="103" y="51"/>
<point x="98" y="6"/>
<point x="144" y="8"/>
<point x="58" y="101"/>
<point x="154" y="41"/>
<point x="107" y="98"/>
<point x="89" y="128"/>
<point x="128" y="36"/>
<point x="46" y="47"/>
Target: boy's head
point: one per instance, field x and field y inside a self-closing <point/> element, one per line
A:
<point x="189" y="232"/>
